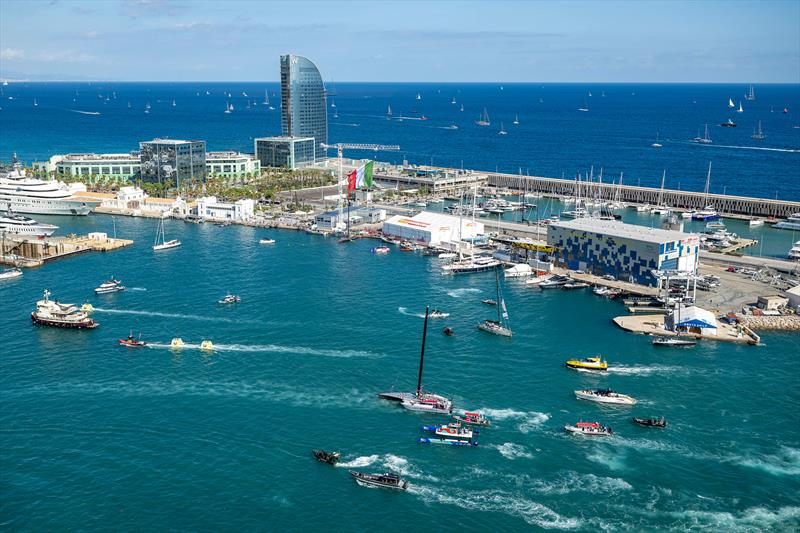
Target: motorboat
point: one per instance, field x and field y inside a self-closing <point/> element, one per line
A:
<point x="177" y="342"/>
<point x="590" y="429"/>
<point x="792" y="222"/>
<point x="794" y="252"/>
<point x="131" y="342"/>
<point x="537" y="280"/>
<point x="380" y="250"/>
<point x="442" y="440"/>
<point x="589" y="363"/>
<point x="387" y="480"/>
<point x="326" y="457"/>
<point x="518" y="271"/>
<point x="51" y="313"/>
<point x="10" y="273"/>
<point x="453" y="430"/>
<point x="555" y="282"/>
<point x="206" y="345"/>
<point x="755" y="222"/>
<point x="112" y="285"/>
<point x="663" y="340"/>
<point x="449" y="332"/>
<point x="447" y="255"/>
<point x="489" y="302"/>
<point x="651" y="422"/>
<point x="19" y="225"/>
<point x="473" y="419"/>
<point x="229" y="299"/>
<point x="472" y="265"/>
<point x="728" y="124"/>
<point x="266" y="241"/>
<point x="707" y="214"/>
<point x="716" y="224"/>
<point x="435" y="313"/>
<point x="604" y="396"/>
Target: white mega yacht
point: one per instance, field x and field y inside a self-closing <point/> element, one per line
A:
<point x="22" y="194"/>
<point x="20" y="225"/>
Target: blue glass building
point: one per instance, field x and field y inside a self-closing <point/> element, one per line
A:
<point x="304" y="110"/>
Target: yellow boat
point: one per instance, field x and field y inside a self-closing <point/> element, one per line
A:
<point x="206" y="345"/>
<point x="590" y="363"/>
<point x="177" y="342"/>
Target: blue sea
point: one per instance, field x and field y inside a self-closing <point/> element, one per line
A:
<point x="552" y="138"/>
<point x="98" y="437"/>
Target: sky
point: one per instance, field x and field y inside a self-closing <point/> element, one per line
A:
<point x="388" y="41"/>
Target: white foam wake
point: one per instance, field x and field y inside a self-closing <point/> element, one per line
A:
<point x="388" y="462"/>
<point x="512" y="451"/>
<point x="458" y="293"/>
<point x="528" y="420"/>
<point x="404" y="311"/>
<point x="645" y="370"/>
<point x="171" y="315"/>
<point x="274" y="348"/>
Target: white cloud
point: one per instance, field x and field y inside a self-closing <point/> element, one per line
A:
<point x="12" y="54"/>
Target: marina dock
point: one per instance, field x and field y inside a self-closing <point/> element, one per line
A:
<point x="32" y="252"/>
<point x="654" y="325"/>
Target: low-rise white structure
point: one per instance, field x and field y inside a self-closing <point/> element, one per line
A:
<point x="692" y="320"/>
<point x="166" y="206"/>
<point x="127" y="197"/>
<point x="210" y="207"/>
<point x="337" y="218"/>
<point x="433" y="229"/>
<point x="232" y="164"/>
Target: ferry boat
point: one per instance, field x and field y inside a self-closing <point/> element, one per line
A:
<point x="53" y="314"/>
<point x="21" y="225"/>
<point x="21" y="194"/>
<point x="112" y="285"/>
<point x="604" y="396"/>
<point x="590" y="429"/>
<point x="589" y="363"/>
<point x="387" y="480"/>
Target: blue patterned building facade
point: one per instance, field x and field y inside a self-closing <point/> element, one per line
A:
<point x="625" y="251"/>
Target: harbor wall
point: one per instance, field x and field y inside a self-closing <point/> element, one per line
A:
<point x="741" y="205"/>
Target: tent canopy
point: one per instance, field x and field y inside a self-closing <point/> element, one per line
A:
<point x="695" y="317"/>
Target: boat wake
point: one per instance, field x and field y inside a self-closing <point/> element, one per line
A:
<point x="512" y="451"/>
<point x="171" y="315"/>
<point x="85" y="112"/>
<point x="762" y="148"/>
<point x="137" y="289"/>
<point x="404" y="311"/>
<point x="458" y="293"/>
<point x="645" y="370"/>
<point x="498" y="501"/>
<point x="274" y="348"/>
<point x="390" y="463"/>
<point x="784" y="463"/>
<point x="528" y="420"/>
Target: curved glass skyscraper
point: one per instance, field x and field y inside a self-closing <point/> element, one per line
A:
<point x="304" y="112"/>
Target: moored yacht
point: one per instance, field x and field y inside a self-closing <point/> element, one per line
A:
<point x="21" y="225"/>
<point x="22" y="194"/>
<point x="792" y="222"/>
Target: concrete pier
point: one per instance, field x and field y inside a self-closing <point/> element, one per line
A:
<point x="742" y="205"/>
<point x="22" y="251"/>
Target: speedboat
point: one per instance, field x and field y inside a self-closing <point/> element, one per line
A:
<point x="381" y="250"/>
<point x="663" y="340"/>
<point x="590" y="363"/>
<point x="387" y="480"/>
<point x="132" y="343"/>
<point x="604" y="396"/>
<point x="10" y="273"/>
<point x="177" y="342"/>
<point x="229" y="299"/>
<point x="473" y="419"/>
<point x="651" y="422"/>
<point x="493" y="326"/>
<point x="489" y="302"/>
<point x="112" y="285"/>
<point x="590" y="429"/>
<point x="326" y="457"/>
<point x="435" y="313"/>
<point x="206" y="345"/>
<point x="453" y="430"/>
<point x="266" y="241"/>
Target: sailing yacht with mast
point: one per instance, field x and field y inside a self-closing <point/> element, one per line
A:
<point x="484" y="119"/>
<point x="709" y="213"/>
<point x="730" y="103"/>
<point x="165" y="244"/>
<point x="751" y="94"/>
<point x="502" y="130"/>
<point x="420" y="400"/>
<point x="656" y="144"/>
<point x="585" y="107"/>
<point x="516" y="120"/>
<point x="499" y="326"/>
<point x="661" y="208"/>
<point x="758" y="135"/>
<point x="741" y="109"/>
<point x="705" y="139"/>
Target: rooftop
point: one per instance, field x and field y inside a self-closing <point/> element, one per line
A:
<point x="626" y="231"/>
<point x="100" y="157"/>
<point x="228" y="155"/>
<point x="284" y="139"/>
<point x="170" y="141"/>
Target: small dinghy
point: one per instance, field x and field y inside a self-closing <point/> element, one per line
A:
<point x="132" y="342"/>
<point x="449" y="332"/>
<point x="651" y="422"/>
<point x="326" y="457"/>
<point x="387" y="480"/>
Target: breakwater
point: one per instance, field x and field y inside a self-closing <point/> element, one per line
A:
<point x="741" y="205"/>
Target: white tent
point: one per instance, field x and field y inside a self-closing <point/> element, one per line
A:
<point x="432" y="228"/>
<point x="695" y="319"/>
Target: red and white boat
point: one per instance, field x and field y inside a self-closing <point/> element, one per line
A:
<point x="591" y="429"/>
<point x="473" y="419"/>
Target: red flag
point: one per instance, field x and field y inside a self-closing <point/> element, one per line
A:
<point x="351" y="181"/>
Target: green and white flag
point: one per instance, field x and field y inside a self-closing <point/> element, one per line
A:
<point x="364" y="176"/>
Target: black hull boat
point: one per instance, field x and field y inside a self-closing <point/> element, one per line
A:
<point x="87" y="324"/>
<point x="326" y="457"/>
<point x="449" y="332"/>
<point x="651" y="422"/>
<point x="386" y="481"/>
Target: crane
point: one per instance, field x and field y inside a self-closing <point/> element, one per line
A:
<point x="340" y="147"/>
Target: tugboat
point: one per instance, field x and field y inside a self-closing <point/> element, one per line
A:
<point x="590" y="363"/>
<point x="590" y="429"/>
<point x="387" y="480"/>
<point x="473" y="419"/>
<point x="435" y="313"/>
<point x="651" y="422"/>
<point x="53" y="314"/>
<point x="604" y="396"/>
<point x="230" y="299"/>
<point x="112" y="285"/>
<point x="131" y="342"/>
<point x="326" y="457"/>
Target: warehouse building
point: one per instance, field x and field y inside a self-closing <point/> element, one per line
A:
<point x="625" y="251"/>
<point x="433" y="229"/>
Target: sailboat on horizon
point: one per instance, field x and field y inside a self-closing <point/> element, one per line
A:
<point x="741" y="109"/>
<point x="484" y="119"/>
<point x="705" y="139"/>
<point x="656" y="144"/>
<point x="758" y="135"/>
<point x="228" y="108"/>
<point x="751" y="94"/>
<point x="585" y="107"/>
<point x="730" y="103"/>
<point x="516" y="120"/>
<point x="502" y="130"/>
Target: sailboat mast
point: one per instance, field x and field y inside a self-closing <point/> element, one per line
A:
<point x="497" y="291"/>
<point x="708" y="181"/>
<point x="422" y="352"/>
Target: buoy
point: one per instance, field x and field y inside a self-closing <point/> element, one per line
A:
<point x="177" y="342"/>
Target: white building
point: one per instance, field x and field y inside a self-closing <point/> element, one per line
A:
<point x="433" y="229"/>
<point x="128" y="197"/>
<point x="166" y="206"/>
<point x="232" y="164"/>
<point x="209" y="207"/>
<point x="121" y="166"/>
<point x="337" y="218"/>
